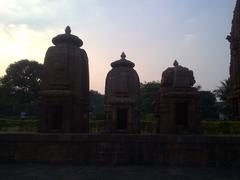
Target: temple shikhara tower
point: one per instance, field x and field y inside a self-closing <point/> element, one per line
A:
<point x="177" y="108"/>
<point x="122" y="91"/>
<point x="65" y="86"/>
<point x="234" y="39"/>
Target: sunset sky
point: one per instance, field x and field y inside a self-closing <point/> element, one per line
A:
<point x="152" y="33"/>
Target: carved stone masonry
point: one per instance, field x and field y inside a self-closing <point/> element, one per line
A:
<point x="65" y="86"/>
<point x="234" y="39"/>
<point x="122" y="91"/>
<point x="177" y="109"/>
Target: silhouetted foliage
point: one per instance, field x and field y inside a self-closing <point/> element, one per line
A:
<point x="20" y="85"/>
<point x="208" y="108"/>
<point x="148" y="94"/>
<point x="96" y="102"/>
<point x="223" y="92"/>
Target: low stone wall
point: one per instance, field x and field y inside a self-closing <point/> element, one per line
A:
<point x="166" y="150"/>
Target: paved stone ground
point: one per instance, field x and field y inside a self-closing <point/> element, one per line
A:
<point x="50" y="172"/>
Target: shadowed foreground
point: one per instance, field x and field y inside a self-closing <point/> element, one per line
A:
<point x="121" y="149"/>
<point x="47" y="172"/>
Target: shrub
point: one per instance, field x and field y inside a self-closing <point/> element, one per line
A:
<point x="96" y="126"/>
<point x="220" y="127"/>
<point x="19" y="125"/>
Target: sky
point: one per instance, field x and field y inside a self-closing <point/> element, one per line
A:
<point x="152" y="33"/>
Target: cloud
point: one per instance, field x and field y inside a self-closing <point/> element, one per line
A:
<point x="192" y="21"/>
<point x="19" y="12"/>
<point x="39" y="13"/>
<point x="27" y="26"/>
<point x="156" y="31"/>
<point x="188" y="38"/>
<point x="22" y="42"/>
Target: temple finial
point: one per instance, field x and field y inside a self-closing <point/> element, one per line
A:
<point x="123" y="55"/>
<point x="175" y="63"/>
<point x="68" y="30"/>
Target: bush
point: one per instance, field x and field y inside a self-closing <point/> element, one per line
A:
<point x="19" y="125"/>
<point x="220" y="127"/>
<point x="96" y="126"/>
<point x="97" y="116"/>
<point x="147" y="126"/>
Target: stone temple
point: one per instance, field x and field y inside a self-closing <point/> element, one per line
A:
<point x="234" y="39"/>
<point x="177" y="108"/>
<point x="122" y="90"/>
<point x="65" y="86"/>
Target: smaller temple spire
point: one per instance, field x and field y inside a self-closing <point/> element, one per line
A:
<point x="123" y="55"/>
<point x="175" y="63"/>
<point x="67" y="38"/>
<point x="68" y="30"/>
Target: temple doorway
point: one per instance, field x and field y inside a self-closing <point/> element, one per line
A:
<point x="182" y="114"/>
<point x="122" y="115"/>
<point x="57" y="117"/>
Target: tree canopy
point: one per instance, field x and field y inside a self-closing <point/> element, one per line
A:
<point x="96" y="102"/>
<point x="208" y="106"/>
<point x="223" y="93"/>
<point x="148" y="94"/>
<point x="21" y="83"/>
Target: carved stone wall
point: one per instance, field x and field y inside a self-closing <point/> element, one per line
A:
<point x="177" y="103"/>
<point x="112" y="149"/>
<point x="65" y="86"/>
<point x="234" y="39"/>
<point x="122" y="90"/>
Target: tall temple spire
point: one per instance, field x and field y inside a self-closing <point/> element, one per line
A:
<point x="234" y="39"/>
<point x="235" y="31"/>
<point x="237" y="6"/>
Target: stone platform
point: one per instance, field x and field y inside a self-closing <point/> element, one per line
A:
<point x="121" y="149"/>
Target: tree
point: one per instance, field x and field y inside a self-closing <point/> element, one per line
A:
<point x="208" y="106"/>
<point x="21" y="83"/>
<point x="96" y="102"/>
<point x="148" y="94"/>
<point x="223" y="93"/>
